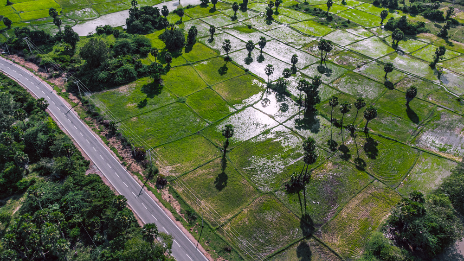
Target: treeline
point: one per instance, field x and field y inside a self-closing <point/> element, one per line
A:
<point x="66" y="214"/>
<point x="422" y="226"/>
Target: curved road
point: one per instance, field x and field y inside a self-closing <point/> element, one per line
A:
<point x="145" y="207"/>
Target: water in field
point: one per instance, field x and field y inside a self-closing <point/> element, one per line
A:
<point x="119" y="18"/>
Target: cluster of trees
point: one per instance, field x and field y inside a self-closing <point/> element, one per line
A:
<point x="392" y="4"/>
<point x="405" y="26"/>
<point x="66" y="214"/>
<point x="146" y="19"/>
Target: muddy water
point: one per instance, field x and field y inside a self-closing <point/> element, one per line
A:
<point x="119" y="18"/>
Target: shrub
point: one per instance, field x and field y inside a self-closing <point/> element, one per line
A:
<point x="123" y="47"/>
<point x="125" y="74"/>
<point x="406" y="26"/>
<point x="174" y="39"/>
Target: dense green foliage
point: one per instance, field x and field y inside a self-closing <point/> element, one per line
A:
<point x="453" y="186"/>
<point x="175" y="38"/>
<point x="426" y="225"/>
<point x="66" y="214"/>
<point x="405" y="26"/>
<point x="144" y="20"/>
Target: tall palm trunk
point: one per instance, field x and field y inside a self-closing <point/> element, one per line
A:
<point x="355" y="117"/>
<point x="299" y="199"/>
<point x="365" y="127"/>
<point x="304" y="197"/>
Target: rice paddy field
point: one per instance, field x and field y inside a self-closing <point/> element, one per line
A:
<point x="242" y="195"/>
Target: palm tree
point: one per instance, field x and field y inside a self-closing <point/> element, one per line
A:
<point x="383" y="15"/>
<point x="154" y="52"/>
<point x="227" y="132"/>
<point x="369" y="114"/>
<point x="150" y="173"/>
<point x="309" y="146"/>
<point x="262" y="43"/>
<point x="410" y="94"/>
<point x="269" y="70"/>
<point x="212" y="30"/>
<point x="359" y="104"/>
<point x="226" y="47"/>
<point x="329" y="5"/>
<point x="250" y="46"/>
<point x="235" y="7"/>
<point x="294" y="60"/>
<point x="345" y="107"/>
<point x="387" y="68"/>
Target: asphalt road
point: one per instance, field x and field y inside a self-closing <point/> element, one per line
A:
<point x="145" y="207"/>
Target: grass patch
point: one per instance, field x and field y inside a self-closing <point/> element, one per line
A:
<point x="37" y="14"/>
<point x="184" y="155"/>
<point x="308" y="249"/>
<point x="247" y="124"/>
<point x="446" y="100"/>
<point x="349" y="117"/>
<point x="284" y="52"/>
<point x="261" y="24"/>
<point x="110" y="7"/>
<point x="183" y="81"/>
<point x="428" y="52"/>
<point x="135" y="98"/>
<point x="201" y="11"/>
<point x="372" y="47"/>
<point x="424" y="88"/>
<point x="360" y="31"/>
<point x="165" y="124"/>
<point x="332" y="185"/>
<point x="198" y="52"/>
<point x="312" y="28"/>
<point x="266" y="225"/>
<point x="260" y="7"/>
<point x="386" y="159"/>
<point x="334" y="9"/>
<point x="361" y="18"/>
<point x="155" y="41"/>
<point x="349" y="59"/>
<point x="209" y="105"/>
<point x="409" y="45"/>
<point x="240" y="14"/>
<point x="217" y="70"/>
<point x="218" y="40"/>
<point x="453" y="82"/>
<point x="240" y="91"/>
<point x="350" y="229"/>
<point x="223" y="191"/>
<point x="295" y="14"/>
<point x="359" y="86"/>
<point x="450" y="45"/>
<point x="456" y="64"/>
<point x="393" y="126"/>
<point x="202" y="27"/>
<point x="36" y="5"/>
<point x="427" y="174"/>
<point x="375" y="71"/>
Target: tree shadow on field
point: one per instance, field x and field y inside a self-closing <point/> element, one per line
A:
<point x="412" y="115"/>
<point x="223" y="70"/>
<point x="142" y="103"/>
<point x="152" y="89"/>
<point x="307" y="225"/>
<point x="324" y="70"/>
<point x="303" y="251"/>
<point x="370" y="148"/>
<point x="248" y="60"/>
<point x="308" y="122"/>
<point x="346" y="152"/>
<point x="221" y="179"/>
<point x="360" y="164"/>
<point x="260" y="58"/>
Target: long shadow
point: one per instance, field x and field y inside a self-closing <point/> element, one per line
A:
<point x="221" y="179"/>
<point x="307" y="225"/>
<point x="142" y="103"/>
<point x="370" y="148"/>
<point x="303" y="251"/>
<point x="412" y="115"/>
<point x="346" y="152"/>
<point x="308" y="122"/>
<point x="152" y="89"/>
<point x="188" y="48"/>
<point x="248" y="60"/>
<point x="324" y="70"/>
<point x="260" y="58"/>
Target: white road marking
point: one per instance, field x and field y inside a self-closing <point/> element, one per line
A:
<point x="75" y="127"/>
<point x="87" y="141"/>
<point x="53" y="102"/>
<point x="125" y="184"/>
<point x="116" y="174"/>
<point x="176" y="243"/>
<point x="94" y="149"/>
<point x="189" y="257"/>
<point x="101" y="156"/>
<point x="81" y="134"/>
<point x="165" y="229"/>
<point x="43" y="92"/>
<point x="108" y="165"/>
<point x="154" y="218"/>
<point x="144" y="206"/>
<point x="48" y="97"/>
<point x="134" y="194"/>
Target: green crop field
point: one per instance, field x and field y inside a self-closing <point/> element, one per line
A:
<point x="240" y="193"/>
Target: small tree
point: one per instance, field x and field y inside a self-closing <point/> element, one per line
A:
<point x="192" y="35"/>
<point x="383" y="15"/>
<point x="359" y="104"/>
<point x="168" y="58"/>
<point x="277" y="4"/>
<point x="52" y="12"/>
<point x="410" y="94"/>
<point x="8" y="2"/>
<point x="324" y="46"/>
<point x="262" y="43"/>
<point x="212" y="30"/>
<point x="42" y="104"/>
<point x="287" y="73"/>
<point x="7" y="22"/>
<point x="165" y="11"/>
<point x="269" y="70"/>
<point x="165" y="24"/>
<point x="149" y="232"/>
<point x="235" y="7"/>
<point x="440" y="51"/>
<point x="57" y="22"/>
<point x="369" y="114"/>
<point x="269" y="13"/>
<point x="250" y="46"/>
<point x="226" y="47"/>
<point x="388" y="68"/>
<point x="204" y="2"/>
<point x="227" y="132"/>
<point x="444" y="30"/>
<point x="397" y="36"/>
<point x="214" y="2"/>
<point x="154" y="52"/>
<point x="155" y="70"/>
<point x="309" y="147"/>
<point x="134" y="3"/>
<point x="449" y="12"/>
<point x="329" y="5"/>
<point x="294" y="60"/>
<point x="312" y="93"/>
<point x="345" y="107"/>
<point x="180" y="13"/>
